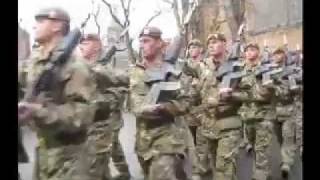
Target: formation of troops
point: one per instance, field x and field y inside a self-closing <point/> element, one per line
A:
<point x="209" y="108"/>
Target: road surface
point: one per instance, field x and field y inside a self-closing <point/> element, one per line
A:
<point x="127" y="139"/>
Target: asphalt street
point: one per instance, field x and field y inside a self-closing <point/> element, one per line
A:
<point x="127" y="139"/>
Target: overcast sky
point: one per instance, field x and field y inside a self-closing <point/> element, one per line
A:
<point x="79" y="9"/>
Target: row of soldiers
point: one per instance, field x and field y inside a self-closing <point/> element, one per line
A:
<point x="78" y="118"/>
<point x="246" y="112"/>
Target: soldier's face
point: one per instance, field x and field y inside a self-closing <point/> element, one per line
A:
<point x="150" y="47"/>
<point x="252" y="53"/>
<point x="45" y="28"/>
<point x="278" y="58"/>
<point x="89" y="48"/>
<point x="216" y="47"/>
<point x="195" y="51"/>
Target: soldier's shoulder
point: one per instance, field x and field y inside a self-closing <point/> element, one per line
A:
<point x="136" y="72"/>
<point x="77" y="63"/>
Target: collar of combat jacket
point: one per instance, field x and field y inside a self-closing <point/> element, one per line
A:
<point x="158" y="73"/>
<point x="40" y="54"/>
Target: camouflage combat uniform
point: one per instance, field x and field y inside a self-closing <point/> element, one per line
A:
<point x="258" y="114"/>
<point x="22" y="154"/>
<point x="103" y="134"/>
<point x="221" y="125"/>
<point x="285" y="112"/>
<point x="190" y="77"/>
<point x="61" y="123"/>
<point x="299" y="121"/>
<point x="161" y="143"/>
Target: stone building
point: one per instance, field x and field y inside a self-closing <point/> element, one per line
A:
<point x="266" y="21"/>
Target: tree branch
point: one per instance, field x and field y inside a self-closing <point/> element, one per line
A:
<point x="169" y="2"/>
<point x="152" y="18"/>
<point x="125" y="13"/>
<point x="128" y="6"/>
<point x="123" y="8"/>
<point x="176" y="14"/>
<point x="95" y="17"/>
<point x="185" y="9"/>
<point x="115" y="18"/>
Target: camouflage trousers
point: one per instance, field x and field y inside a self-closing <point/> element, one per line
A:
<point x="203" y="166"/>
<point x="224" y="151"/>
<point x="299" y="133"/>
<point x="164" y="166"/>
<point x="117" y="154"/>
<point x="86" y="161"/>
<point x="287" y="140"/>
<point x="98" y="153"/>
<point x="103" y="145"/>
<point x="59" y="163"/>
<point x="259" y="134"/>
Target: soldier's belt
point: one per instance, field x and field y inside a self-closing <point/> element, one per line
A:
<point x="231" y="122"/>
<point x="225" y="113"/>
<point x="63" y="139"/>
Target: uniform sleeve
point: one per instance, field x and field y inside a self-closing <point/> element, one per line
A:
<point x="253" y="92"/>
<point x="22" y="72"/>
<point x="111" y="76"/>
<point x="240" y="96"/>
<point x="187" y="97"/>
<point x="79" y="108"/>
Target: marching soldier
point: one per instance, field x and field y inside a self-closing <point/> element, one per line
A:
<point x="221" y="123"/>
<point x="104" y="133"/>
<point x="190" y="77"/>
<point x="160" y="142"/>
<point x="285" y="112"/>
<point x="257" y="112"/>
<point x="61" y="116"/>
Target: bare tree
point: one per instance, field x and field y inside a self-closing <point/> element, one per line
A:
<point x="235" y="13"/>
<point x="152" y="18"/>
<point x="125" y="24"/>
<point x="182" y="10"/>
<point x="95" y="18"/>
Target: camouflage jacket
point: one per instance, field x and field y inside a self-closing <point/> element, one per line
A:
<point x="259" y="101"/>
<point x="163" y="135"/>
<point x="190" y="78"/>
<point x="112" y="85"/>
<point x="219" y="114"/>
<point x="68" y="109"/>
<point x="284" y="98"/>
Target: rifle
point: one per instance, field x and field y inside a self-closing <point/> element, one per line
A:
<point x="229" y="79"/>
<point x="265" y="54"/>
<point x="173" y="50"/>
<point x="228" y="71"/>
<point x="294" y="75"/>
<point x="235" y="52"/>
<point x="112" y="50"/>
<point x="46" y="80"/>
<point x="161" y="92"/>
<point x="290" y="73"/>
